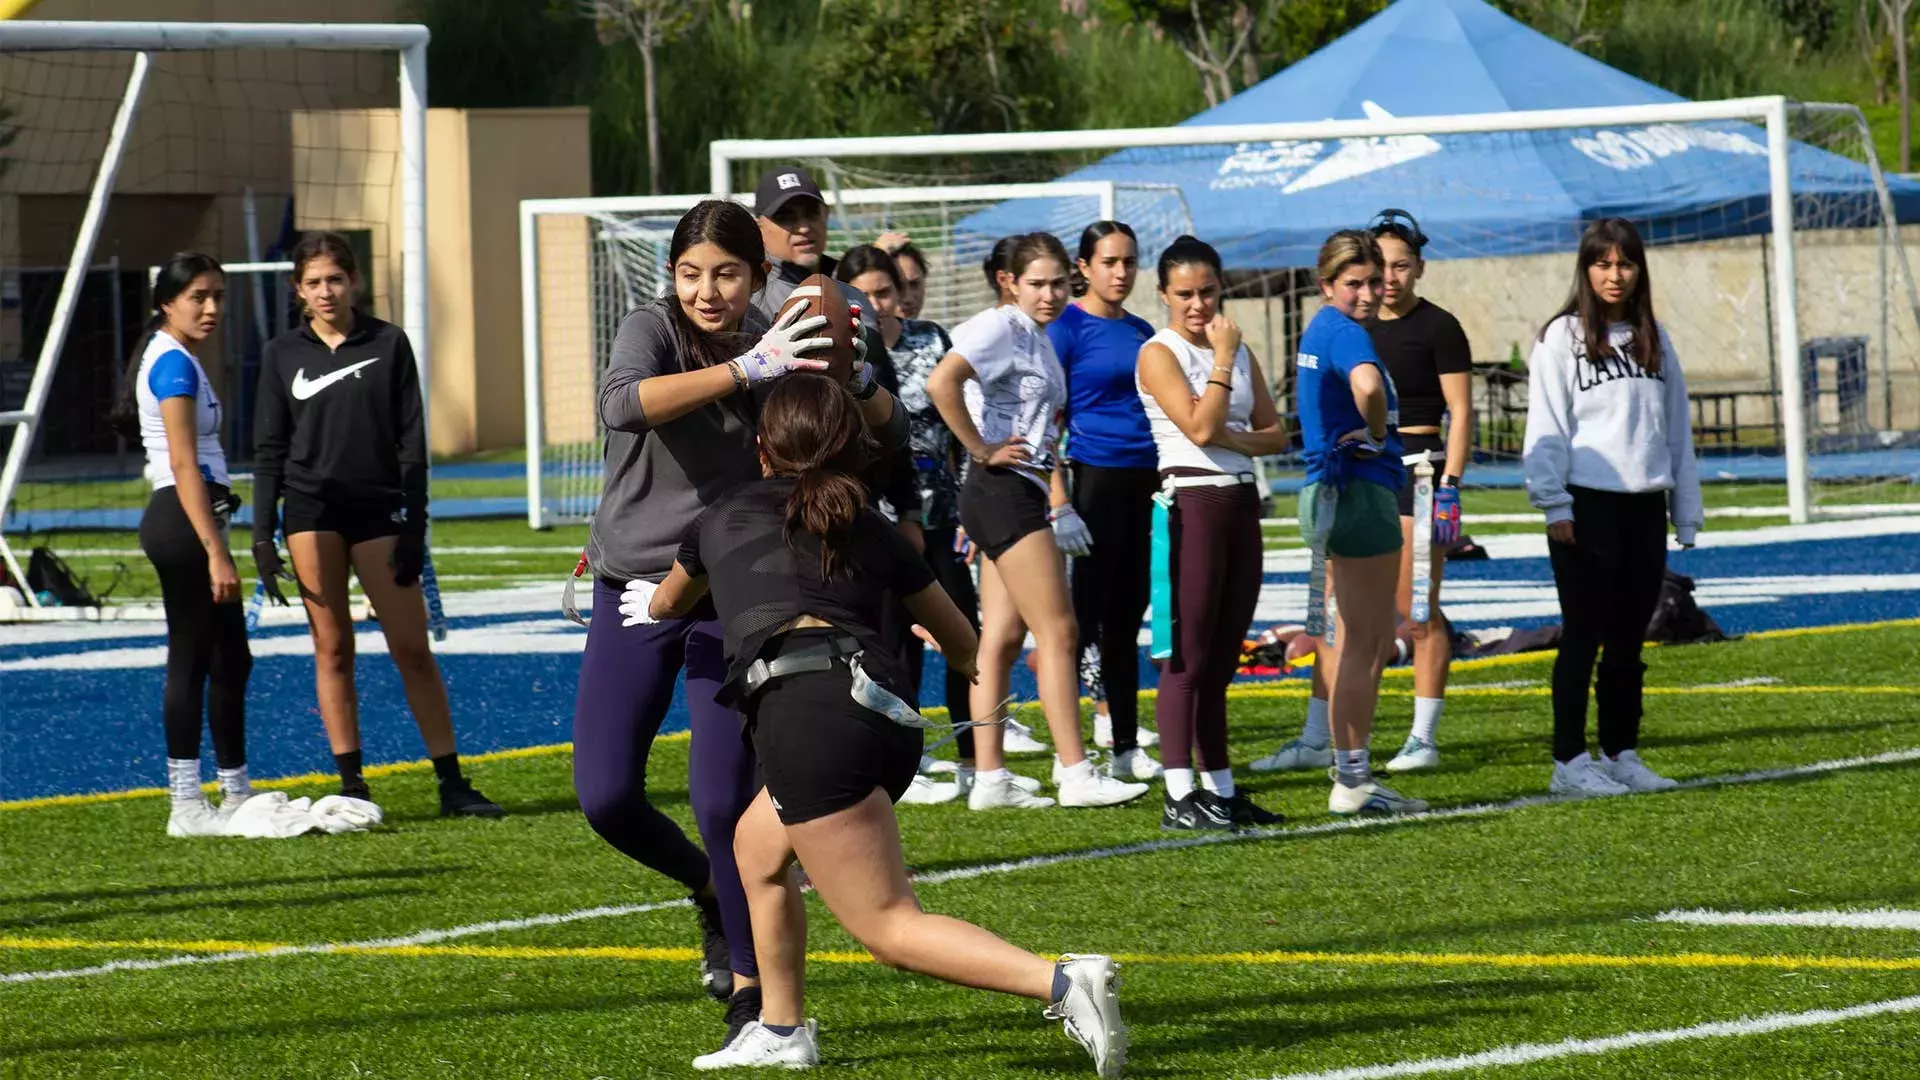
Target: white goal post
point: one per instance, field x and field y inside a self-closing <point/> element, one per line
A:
<point x="1772" y="112"/>
<point x="140" y="39"/>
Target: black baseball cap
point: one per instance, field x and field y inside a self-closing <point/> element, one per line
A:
<point x="781" y="186"/>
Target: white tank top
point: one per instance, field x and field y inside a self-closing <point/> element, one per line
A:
<point x="1196" y="362"/>
<point x="168" y="370"/>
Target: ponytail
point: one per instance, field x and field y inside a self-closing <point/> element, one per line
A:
<point x="811" y="430"/>
<point x="824" y="502"/>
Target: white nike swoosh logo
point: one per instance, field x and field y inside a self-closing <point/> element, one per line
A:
<point x="304" y="388"/>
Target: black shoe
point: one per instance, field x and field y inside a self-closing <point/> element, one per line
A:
<point x="356" y="790"/>
<point x="1192" y="814"/>
<point x="743" y="1008"/>
<point x="1246" y="815"/>
<point x="458" y="798"/>
<point x="716" y="964"/>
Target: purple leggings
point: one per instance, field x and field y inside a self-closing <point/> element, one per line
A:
<point x="1216" y="574"/>
<point x="626" y="687"/>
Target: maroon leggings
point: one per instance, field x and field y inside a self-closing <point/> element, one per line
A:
<point x="1216" y="552"/>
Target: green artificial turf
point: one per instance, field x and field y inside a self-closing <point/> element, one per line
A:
<point x="1544" y="885"/>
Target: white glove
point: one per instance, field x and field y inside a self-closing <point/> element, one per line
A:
<point x="784" y="347"/>
<point x="1070" y="530"/>
<point x="635" y="602"/>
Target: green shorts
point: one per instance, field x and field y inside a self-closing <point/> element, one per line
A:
<point x="1366" y="520"/>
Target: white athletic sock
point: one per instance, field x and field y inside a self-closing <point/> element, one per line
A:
<point x="1078" y="772"/>
<point x="1426" y="714"/>
<point x="1179" y="783"/>
<point x="235" y="787"/>
<point x="992" y="776"/>
<point x="183" y="779"/>
<point x="1317" y="733"/>
<point x="1353" y="767"/>
<point x="1220" y="782"/>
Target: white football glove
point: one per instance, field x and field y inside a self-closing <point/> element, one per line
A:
<point x="1070" y="530"/>
<point x="783" y="349"/>
<point x="636" y="602"/>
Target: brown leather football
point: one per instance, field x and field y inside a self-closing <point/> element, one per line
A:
<point x="833" y="304"/>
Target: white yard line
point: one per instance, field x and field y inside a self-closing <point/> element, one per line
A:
<point x="967" y="873"/>
<point x="1523" y="1053"/>
<point x="1876" y="919"/>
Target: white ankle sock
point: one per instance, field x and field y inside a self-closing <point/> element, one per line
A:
<point x="1317" y="734"/>
<point x="183" y="779"/>
<point x="1179" y="783"/>
<point x="1426" y="715"/>
<point x="1220" y="782"/>
<point x="990" y="776"/>
<point x="1353" y="766"/>
<point x="235" y="787"/>
<point x="1079" y="771"/>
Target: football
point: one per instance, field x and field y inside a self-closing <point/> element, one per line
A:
<point x="833" y="304"/>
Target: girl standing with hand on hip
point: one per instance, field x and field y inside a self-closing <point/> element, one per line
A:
<point x="1609" y="458"/>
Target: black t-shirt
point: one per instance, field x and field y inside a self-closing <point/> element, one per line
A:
<point x="760" y="582"/>
<point x="1418" y="348"/>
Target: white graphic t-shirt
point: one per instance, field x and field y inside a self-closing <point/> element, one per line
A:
<point x="1020" y="388"/>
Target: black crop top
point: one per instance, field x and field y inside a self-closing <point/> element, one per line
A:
<point x="1418" y="348"/>
<point x="760" y="582"/>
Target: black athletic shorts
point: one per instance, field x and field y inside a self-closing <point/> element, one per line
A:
<point x="1415" y="444"/>
<point x="357" y="522"/>
<point x="1000" y="507"/>
<point x="820" y="751"/>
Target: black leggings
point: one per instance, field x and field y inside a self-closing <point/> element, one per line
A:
<point x="207" y="656"/>
<point x="1110" y="583"/>
<point x="1609" y="582"/>
<point x="953" y="576"/>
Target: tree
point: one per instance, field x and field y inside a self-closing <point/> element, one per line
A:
<point x="1866" y="22"/>
<point x="1896" y="12"/>
<point x="1216" y="36"/>
<point x="967" y="65"/>
<point x="649" y="24"/>
<point x="1582" y="24"/>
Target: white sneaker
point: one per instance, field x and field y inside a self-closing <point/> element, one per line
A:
<point x="1294" y="756"/>
<point x="1100" y="764"/>
<point x="1019" y="739"/>
<point x="1103" y="733"/>
<point x="1583" y="779"/>
<point x="924" y="792"/>
<point x="1415" y="756"/>
<point x="1630" y="771"/>
<point x="1098" y="789"/>
<point x="1004" y="794"/>
<point x="1090" y="1011"/>
<point x="196" y="818"/>
<point x="1136" y="765"/>
<point x="757" y="1048"/>
<point x="933" y="766"/>
<point x="963" y="779"/>
<point x="1147" y="736"/>
<point x="1372" y="799"/>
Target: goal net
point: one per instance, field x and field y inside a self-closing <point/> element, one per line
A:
<point x="585" y="263"/>
<point x="123" y="143"/>
<point x="1805" y="385"/>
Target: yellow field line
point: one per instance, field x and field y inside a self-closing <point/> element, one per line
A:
<point x="645" y="954"/>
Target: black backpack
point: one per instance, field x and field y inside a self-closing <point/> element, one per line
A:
<point x="1677" y="620"/>
<point x="47" y="573"/>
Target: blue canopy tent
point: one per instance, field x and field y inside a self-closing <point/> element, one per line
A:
<point x="1269" y="205"/>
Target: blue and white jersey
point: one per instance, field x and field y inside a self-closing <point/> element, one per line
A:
<point x="168" y="370"/>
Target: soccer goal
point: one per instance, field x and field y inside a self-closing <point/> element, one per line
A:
<point x="585" y="263"/>
<point x="1776" y="257"/>
<point x="124" y="142"/>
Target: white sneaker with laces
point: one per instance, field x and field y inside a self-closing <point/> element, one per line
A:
<point x="963" y="779"/>
<point x="757" y="1048"/>
<point x="1415" y="756"/>
<point x="933" y="766"/>
<point x="1372" y="799"/>
<point x="1294" y="756"/>
<point x="1582" y="779"/>
<point x="196" y="818"/>
<point x="1102" y="730"/>
<point x="924" y="792"/>
<point x="1019" y="739"/>
<point x="1090" y="1011"/>
<point x="1136" y="765"/>
<point x="1003" y="793"/>
<point x="1632" y="773"/>
<point x="1098" y="789"/>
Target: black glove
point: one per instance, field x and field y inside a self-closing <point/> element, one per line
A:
<point x="271" y="568"/>
<point x="409" y="555"/>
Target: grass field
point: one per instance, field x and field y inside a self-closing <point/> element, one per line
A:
<point x="1497" y="922"/>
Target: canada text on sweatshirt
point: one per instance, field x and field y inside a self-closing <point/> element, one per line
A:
<point x="1609" y="425"/>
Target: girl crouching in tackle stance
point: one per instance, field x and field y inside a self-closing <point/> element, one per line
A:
<point x="800" y="568"/>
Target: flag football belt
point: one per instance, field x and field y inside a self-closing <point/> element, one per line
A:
<point x="1160" y="592"/>
<point x="798" y="661"/>
<point x="1421" y="467"/>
